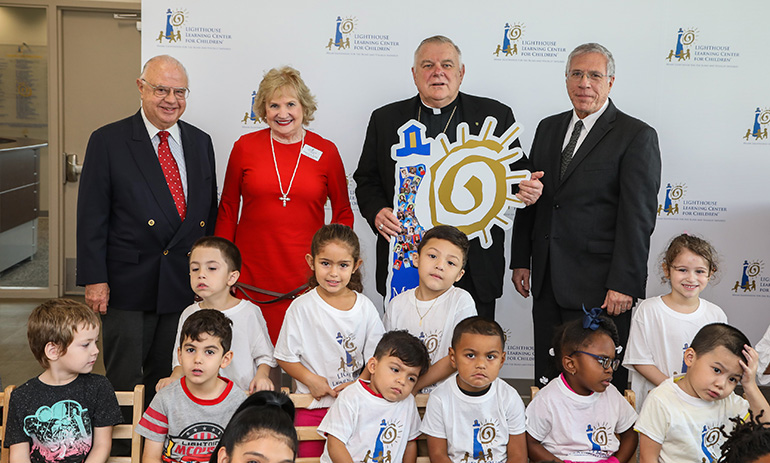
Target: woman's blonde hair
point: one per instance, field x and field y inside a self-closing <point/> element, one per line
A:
<point x="274" y="80"/>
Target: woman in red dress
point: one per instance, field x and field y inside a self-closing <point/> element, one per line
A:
<point x="276" y="186"/>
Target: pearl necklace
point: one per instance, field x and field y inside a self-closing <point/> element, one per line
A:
<point x="285" y="196"/>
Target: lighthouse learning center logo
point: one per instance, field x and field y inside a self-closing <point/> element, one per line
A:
<point x="341" y="39"/>
<point x="681" y="51"/>
<point x="348" y="39"/>
<point x="751" y="281"/>
<point x="178" y="31"/>
<point x="514" y="48"/>
<point x="250" y="115"/>
<point x="758" y="131"/>
<point x="511" y="34"/>
<point x="671" y="196"/>
<point x="172" y="31"/>
<point x="689" y="50"/>
<point x="677" y="204"/>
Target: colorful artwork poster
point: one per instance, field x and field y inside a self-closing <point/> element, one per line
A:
<point x="467" y="184"/>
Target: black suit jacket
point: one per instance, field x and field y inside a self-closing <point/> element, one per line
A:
<point x="375" y="183"/>
<point x="129" y="232"/>
<point x="592" y="227"/>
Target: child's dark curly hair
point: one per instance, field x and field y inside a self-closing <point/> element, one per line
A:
<point x="571" y="336"/>
<point x="749" y="440"/>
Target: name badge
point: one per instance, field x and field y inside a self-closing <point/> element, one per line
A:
<point x="312" y="153"/>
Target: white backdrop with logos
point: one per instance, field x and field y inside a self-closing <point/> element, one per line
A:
<point x="692" y="69"/>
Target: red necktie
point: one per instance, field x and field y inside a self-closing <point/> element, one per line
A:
<point x="171" y="172"/>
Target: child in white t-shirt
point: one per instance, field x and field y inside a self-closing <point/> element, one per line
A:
<point x="433" y="309"/>
<point x="330" y="331"/>
<point x="215" y="265"/>
<point x="682" y="419"/>
<point x="662" y="327"/>
<point x="377" y="420"/>
<point x="580" y="416"/>
<point x="475" y="416"/>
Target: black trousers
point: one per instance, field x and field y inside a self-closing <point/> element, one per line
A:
<point x="547" y="315"/>
<point x="485" y="309"/>
<point x="138" y="348"/>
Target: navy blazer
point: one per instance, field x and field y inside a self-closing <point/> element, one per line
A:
<point x="593" y="226"/>
<point x="129" y="233"/>
<point x="375" y="183"/>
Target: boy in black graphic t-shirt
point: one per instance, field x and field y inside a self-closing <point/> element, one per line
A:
<point x="66" y="414"/>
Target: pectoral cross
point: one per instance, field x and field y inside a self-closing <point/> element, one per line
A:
<point x="284" y="198"/>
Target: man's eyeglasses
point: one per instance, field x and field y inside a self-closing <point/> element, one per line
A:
<point x="181" y="93"/>
<point x="605" y="362"/>
<point x="593" y="76"/>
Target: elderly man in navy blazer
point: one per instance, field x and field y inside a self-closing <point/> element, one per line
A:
<point x="438" y="72"/>
<point x="587" y="240"/>
<point x="147" y="192"/>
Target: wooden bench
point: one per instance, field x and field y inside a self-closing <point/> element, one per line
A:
<point x="134" y="399"/>
<point x="310" y="433"/>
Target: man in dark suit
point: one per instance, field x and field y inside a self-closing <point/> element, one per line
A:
<point x="438" y="72"/>
<point x="147" y="192"/>
<point x="588" y="237"/>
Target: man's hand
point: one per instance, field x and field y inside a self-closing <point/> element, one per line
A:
<point x="97" y="297"/>
<point x="616" y="303"/>
<point x="521" y="281"/>
<point x="387" y="223"/>
<point x="530" y="190"/>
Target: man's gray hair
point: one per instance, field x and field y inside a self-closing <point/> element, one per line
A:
<point x="439" y="39"/>
<point x="167" y="59"/>
<point x="593" y="48"/>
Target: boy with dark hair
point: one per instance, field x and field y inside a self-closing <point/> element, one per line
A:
<point x="67" y="413"/>
<point x="186" y="419"/>
<point x="215" y="265"/>
<point x="681" y="418"/>
<point x="378" y="420"/>
<point x="474" y="415"/>
<point x="432" y="310"/>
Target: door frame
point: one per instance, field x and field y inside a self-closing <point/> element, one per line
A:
<point x="54" y="10"/>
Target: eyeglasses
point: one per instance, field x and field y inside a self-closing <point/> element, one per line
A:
<point x="593" y="76"/>
<point x="605" y="362"/>
<point x="181" y="93"/>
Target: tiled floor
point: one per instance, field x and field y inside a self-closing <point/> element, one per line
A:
<point x="17" y="364"/>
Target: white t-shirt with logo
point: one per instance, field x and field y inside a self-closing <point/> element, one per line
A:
<point x="251" y="344"/>
<point x="440" y="316"/>
<point x="371" y="427"/>
<point x="575" y="427"/>
<point x="687" y="427"/>
<point x="659" y="336"/>
<point x="476" y="426"/>
<point x="331" y="343"/>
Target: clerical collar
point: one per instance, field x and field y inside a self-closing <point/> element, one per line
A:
<point x="438" y="111"/>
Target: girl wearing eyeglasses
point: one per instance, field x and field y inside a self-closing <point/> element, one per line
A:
<point x="580" y="416"/>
